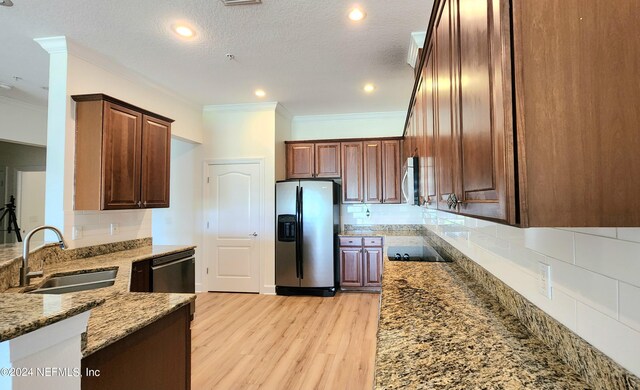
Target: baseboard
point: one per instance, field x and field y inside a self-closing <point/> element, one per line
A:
<point x="268" y="290"/>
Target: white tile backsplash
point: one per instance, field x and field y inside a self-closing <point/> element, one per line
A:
<point x="555" y="243"/>
<point x="629" y="305"/>
<point x="598" y="296"/>
<point x="617" y="259"/>
<point x="614" y="338"/>
<point x="96" y="226"/>
<point x="629" y="234"/>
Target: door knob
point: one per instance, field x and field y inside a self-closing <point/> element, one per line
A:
<point x="254" y="234"/>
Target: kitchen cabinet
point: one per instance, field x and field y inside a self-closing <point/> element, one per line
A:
<point x="313" y="160"/>
<point x="529" y="129"/>
<point x="122" y="155"/>
<point x="371" y="171"/>
<point x="352" y="172"/>
<point x="156" y="357"/>
<point x="361" y="263"/>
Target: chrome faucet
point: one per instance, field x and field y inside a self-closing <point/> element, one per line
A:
<point x="25" y="275"/>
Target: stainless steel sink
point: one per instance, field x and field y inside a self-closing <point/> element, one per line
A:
<point x="77" y="282"/>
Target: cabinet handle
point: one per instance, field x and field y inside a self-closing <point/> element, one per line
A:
<point x="139" y="204"/>
<point x="144" y="203"/>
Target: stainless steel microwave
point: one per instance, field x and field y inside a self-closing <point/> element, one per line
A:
<point x="411" y="181"/>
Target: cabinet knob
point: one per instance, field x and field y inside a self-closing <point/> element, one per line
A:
<point x="144" y="203"/>
<point x="139" y="204"/>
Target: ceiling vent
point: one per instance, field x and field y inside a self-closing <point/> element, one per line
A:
<point x="241" y="2"/>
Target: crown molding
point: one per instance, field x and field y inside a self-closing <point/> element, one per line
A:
<point x="282" y="110"/>
<point x="348" y="117"/>
<point x="416" y="43"/>
<point x="53" y="45"/>
<point x="247" y="107"/>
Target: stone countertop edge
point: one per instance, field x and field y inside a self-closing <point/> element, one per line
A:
<point x="116" y="312"/>
<point x="15" y="322"/>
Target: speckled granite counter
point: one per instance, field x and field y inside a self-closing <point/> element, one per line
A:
<point x="116" y="312"/>
<point x="439" y="330"/>
<point x="42" y="310"/>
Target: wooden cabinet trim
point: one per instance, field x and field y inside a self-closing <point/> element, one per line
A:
<point x="102" y="97"/>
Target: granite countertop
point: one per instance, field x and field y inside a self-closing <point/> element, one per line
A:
<point x="42" y="310"/>
<point x="439" y="329"/>
<point x="116" y="312"/>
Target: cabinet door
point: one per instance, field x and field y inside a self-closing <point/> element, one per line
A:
<point x="352" y="172"/>
<point x="482" y="111"/>
<point x="156" y="160"/>
<point x="373" y="172"/>
<point x="300" y="160"/>
<point x="121" y="156"/>
<point x="446" y="142"/>
<point x="429" y="169"/>
<point x="327" y="160"/>
<point x="351" y="267"/>
<point x="391" y="172"/>
<point x="372" y="267"/>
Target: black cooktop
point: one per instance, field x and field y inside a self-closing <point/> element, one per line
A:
<point x="414" y="253"/>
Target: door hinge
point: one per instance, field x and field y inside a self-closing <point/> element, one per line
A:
<point x="208" y="180"/>
<point x="207" y="224"/>
<point x="207" y="270"/>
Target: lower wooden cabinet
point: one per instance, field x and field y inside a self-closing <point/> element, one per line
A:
<point x="361" y="263"/>
<point x="155" y="357"/>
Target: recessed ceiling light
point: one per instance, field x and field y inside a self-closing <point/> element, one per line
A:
<point x="356" y="14"/>
<point x="7" y="3"/>
<point x="368" y="88"/>
<point x="260" y="93"/>
<point x="184" y="31"/>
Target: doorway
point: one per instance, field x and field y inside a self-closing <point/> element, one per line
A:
<point x="232" y="220"/>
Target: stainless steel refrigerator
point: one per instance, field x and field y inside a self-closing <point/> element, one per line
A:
<point x="307" y="225"/>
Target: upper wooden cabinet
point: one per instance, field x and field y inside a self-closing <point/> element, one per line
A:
<point x="352" y="183"/>
<point x="533" y="112"/>
<point x="308" y="160"/>
<point x="122" y="156"/>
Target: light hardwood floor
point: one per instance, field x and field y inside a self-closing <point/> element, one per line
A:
<point x="250" y="341"/>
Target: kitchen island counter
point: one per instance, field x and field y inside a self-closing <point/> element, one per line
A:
<point x="115" y="312"/>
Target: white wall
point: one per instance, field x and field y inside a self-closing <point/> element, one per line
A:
<point x="248" y="131"/>
<point x="365" y="125"/>
<point x="595" y="274"/>
<point x="70" y="74"/>
<point x="22" y="122"/>
<point x="283" y="133"/>
<point x="180" y="224"/>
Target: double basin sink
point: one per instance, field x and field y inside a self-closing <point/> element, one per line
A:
<point x="77" y="282"/>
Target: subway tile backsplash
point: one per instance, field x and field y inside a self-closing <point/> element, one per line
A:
<point x="595" y="273"/>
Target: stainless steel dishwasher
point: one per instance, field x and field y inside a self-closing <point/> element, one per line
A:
<point x="174" y="273"/>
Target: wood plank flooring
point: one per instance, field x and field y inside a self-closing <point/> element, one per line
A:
<point x="250" y="341"/>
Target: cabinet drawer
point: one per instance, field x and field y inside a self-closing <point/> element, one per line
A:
<point x="372" y="241"/>
<point x="350" y="241"/>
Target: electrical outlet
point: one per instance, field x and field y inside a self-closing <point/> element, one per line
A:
<point x="115" y="229"/>
<point x="544" y="279"/>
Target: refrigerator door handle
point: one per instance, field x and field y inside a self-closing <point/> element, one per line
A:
<point x="297" y="230"/>
<point x="301" y="239"/>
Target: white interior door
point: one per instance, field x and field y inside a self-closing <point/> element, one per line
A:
<point x="30" y="202"/>
<point x="232" y="236"/>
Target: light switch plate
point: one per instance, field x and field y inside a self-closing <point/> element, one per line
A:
<point x="544" y="279"/>
<point x="76" y="233"/>
<point x="115" y="229"/>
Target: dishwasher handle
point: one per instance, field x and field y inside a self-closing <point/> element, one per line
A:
<point x="171" y="264"/>
<point x="172" y="257"/>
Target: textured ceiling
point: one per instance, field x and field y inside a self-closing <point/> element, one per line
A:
<point x="305" y="54"/>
